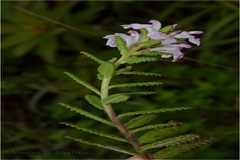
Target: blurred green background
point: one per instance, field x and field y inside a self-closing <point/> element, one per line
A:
<point x="41" y="39"/>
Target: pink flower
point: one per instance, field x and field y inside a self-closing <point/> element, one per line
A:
<point x="129" y="40"/>
<point x="155" y="26"/>
<point x="188" y="35"/>
<point x="173" y="49"/>
<point x="159" y="36"/>
<point x="172" y="41"/>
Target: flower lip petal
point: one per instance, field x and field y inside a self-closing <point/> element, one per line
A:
<point x="175" y="32"/>
<point x="136" y="26"/>
<point x="195" y="32"/>
<point x="174" y="26"/>
<point x="157" y="35"/>
<point x="195" y="41"/>
<point x="156" y="25"/>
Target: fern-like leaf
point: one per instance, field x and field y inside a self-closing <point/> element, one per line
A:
<point x="171" y="141"/>
<point x="93" y="57"/>
<point x="141" y="120"/>
<point x="155" y="126"/>
<point x="141" y="93"/>
<point x="78" y="80"/>
<point x="103" y="134"/>
<point x="134" y="60"/>
<point x="154" y="111"/>
<point x="87" y="114"/>
<point x="154" y="53"/>
<point x="178" y="149"/>
<point x="95" y="101"/>
<point x="140" y="73"/>
<point x="135" y="84"/>
<point x="115" y="98"/>
<point x="117" y="149"/>
<point x="158" y="133"/>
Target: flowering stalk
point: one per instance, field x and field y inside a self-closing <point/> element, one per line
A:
<point x="137" y="48"/>
<point x="169" y="45"/>
<point x="113" y="117"/>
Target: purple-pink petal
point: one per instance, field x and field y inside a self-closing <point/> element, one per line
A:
<point x="136" y="26"/>
<point x="195" y="32"/>
<point x="156" y="25"/>
<point x="157" y="35"/>
<point x="194" y="41"/>
<point x="177" y="54"/>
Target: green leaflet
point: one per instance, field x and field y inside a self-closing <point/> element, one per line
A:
<point x="171" y="141"/>
<point x="106" y="69"/>
<point x="117" y="149"/>
<point x="166" y="29"/>
<point x="175" y="150"/>
<point x="140" y="73"/>
<point x="121" y="45"/>
<point x="85" y="84"/>
<point x="87" y="114"/>
<point x="144" y="32"/>
<point x="95" y="101"/>
<point x="115" y="98"/>
<point x="103" y="134"/>
<point x="154" y="111"/>
<point x="100" y="77"/>
<point x="141" y="120"/>
<point x="151" y="42"/>
<point x="133" y="60"/>
<point x="158" y="133"/>
<point x="169" y="124"/>
<point x="135" y="84"/>
<point x="154" y="53"/>
<point x="93" y="57"/>
<point x="140" y="93"/>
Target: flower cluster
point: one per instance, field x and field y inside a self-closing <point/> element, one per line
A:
<point x="172" y="41"/>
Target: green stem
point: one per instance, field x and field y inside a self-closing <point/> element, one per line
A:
<point x="113" y="117"/>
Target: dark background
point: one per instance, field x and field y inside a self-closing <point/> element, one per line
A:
<point x="41" y="39"/>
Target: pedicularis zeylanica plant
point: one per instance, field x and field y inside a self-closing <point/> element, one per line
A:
<point x="143" y="43"/>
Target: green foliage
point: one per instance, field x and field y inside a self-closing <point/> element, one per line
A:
<point x="95" y="101"/>
<point x="174" y="150"/>
<point x="106" y="69"/>
<point x="100" y="77"/>
<point x="92" y="131"/>
<point x="206" y="77"/>
<point x="87" y="114"/>
<point x="135" y="84"/>
<point x="139" y="121"/>
<point x="117" y="149"/>
<point x="115" y="98"/>
<point x="153" y="53"/>
<point x="150" y="43"/>
<point x="166" y="29"/>
<point x="155" y="111"/>
<point x="158" y="133"/>
<point x="93" y="57"/>
<point x="171" y="141"/>
<point x="169" y="124"/>
<point x="121" y="45"/>
<point x="144" y="32"/>
<point x="140" y="73"/>
<point x="78" y="80"/>
<point x="133" y="60"/>
<point x="141" y="93"/>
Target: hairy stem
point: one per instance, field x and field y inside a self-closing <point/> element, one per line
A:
<point x="113" y="117"/>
